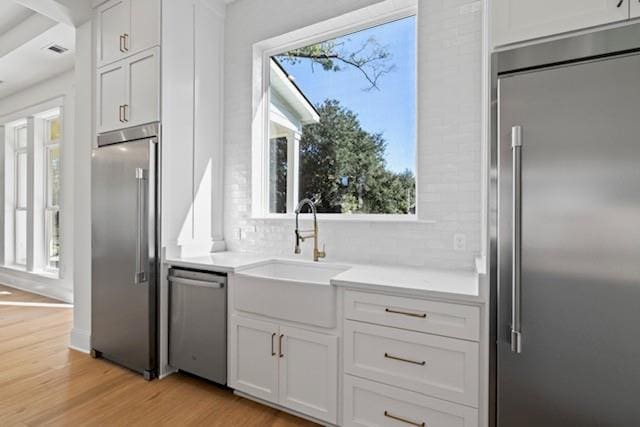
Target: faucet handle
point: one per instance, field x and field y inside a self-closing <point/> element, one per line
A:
<point x="322" y="253"/>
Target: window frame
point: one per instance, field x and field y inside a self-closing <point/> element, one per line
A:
<point x="49" y="207"/>
<point x="263" y="51"/>
<point x="17" y="152"/>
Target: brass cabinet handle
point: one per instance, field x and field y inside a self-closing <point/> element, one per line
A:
<point x="404" y="420"/>
<point x="281" y="354"/>
<point x="125" y="36"/>
<point x="125" y="110"/>
<point x="402" y="359"/>
<point x="120" y="113"/>
<point x="406" y="313"/>
<point x="273" y="351"/>
<point x="121" y="43"/>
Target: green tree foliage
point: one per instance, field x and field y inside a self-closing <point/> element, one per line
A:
<point x="343" y="167"/>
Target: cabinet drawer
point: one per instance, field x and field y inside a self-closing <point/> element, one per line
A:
<point x="446" y="368"/>
<point x="371" y="404"/>
<point x="453" y="320"/>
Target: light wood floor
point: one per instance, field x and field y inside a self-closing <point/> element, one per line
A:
<point x="42" y="382"/>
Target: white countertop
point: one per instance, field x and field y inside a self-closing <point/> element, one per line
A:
<point x="425" y="282"/>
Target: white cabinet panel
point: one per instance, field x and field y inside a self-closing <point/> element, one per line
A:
<point x="372" y="404"/>
<point x="309" y="373"/>
<point x="143" y="88"/>
<point x="112" y="23"/>
<point x="253" y="358"/>
<point x="145" y="25"/>
<point x="454" y="320"/>
<point x="111" y="96"/>
<point x="128" y="92"/>
<point x="446" y="368"/>
<point x="126" y="27"/>
<point x="635" y="8"/>
<point x="519" y="20"/>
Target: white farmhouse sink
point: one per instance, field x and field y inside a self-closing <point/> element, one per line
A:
<point x="289" y="290"/>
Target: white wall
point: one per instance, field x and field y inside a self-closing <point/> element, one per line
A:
<point x="85" y="136"/>
<point x="13" y="107"/>
<point x="449" y="137"/>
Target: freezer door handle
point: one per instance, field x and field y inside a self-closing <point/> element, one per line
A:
<point x="141" y="227"/>
<point x="516" y="255"/>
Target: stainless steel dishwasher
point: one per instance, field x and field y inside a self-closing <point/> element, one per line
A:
<point x="198" y="323"/>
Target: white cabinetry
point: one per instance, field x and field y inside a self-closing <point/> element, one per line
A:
<point x="519" y="20"/>
<point x="634" y="8"/>
<point x="410" y="361"/>
<point x="254" y="357"/>
<point x="128" y="92"/>
<point x="126" y="27"/>
<point x="285" y="365"/>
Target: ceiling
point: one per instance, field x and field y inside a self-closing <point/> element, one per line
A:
<point x="24" y="38"/>
<point x="11" y="14"/>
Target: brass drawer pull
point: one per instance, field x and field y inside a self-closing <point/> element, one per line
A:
<point x="273" y="351"/>
<point x="404" y="420"/>
<point x="402" y="359"/>
<point x="406" y="313"/>
<point x="280" y="346"/>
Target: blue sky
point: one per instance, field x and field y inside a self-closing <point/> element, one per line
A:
<point x="390" y="110"/>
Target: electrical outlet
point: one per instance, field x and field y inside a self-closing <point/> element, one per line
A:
<point x="459" y="242"/>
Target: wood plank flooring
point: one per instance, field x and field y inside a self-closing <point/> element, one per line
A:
<point x="44" y="383"/>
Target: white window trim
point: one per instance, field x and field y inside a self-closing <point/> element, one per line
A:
<point x="17" y="151"/>
<point x="48" y="207"/>
<point x="361" y="19"/>
<point x="35" y="262"/>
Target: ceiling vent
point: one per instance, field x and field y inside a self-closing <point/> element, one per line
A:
<point x="57" y="48"/>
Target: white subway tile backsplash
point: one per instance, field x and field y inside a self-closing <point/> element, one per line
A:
<point x="449" y="133"/>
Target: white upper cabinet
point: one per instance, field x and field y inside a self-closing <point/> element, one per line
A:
<point x="143" y="88"/>
<point x="635" y="8"/>
<point x="111" y="96"/>
<point x="519" y="20"/>
<point x="128" y="92"/>
<point x="126" y="27"/>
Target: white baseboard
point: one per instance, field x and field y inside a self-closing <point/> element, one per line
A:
<point x="35" y="284"/>
<point x="80" y="340"/>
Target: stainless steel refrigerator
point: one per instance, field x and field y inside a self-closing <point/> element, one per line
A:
<point x="124" y="254"/>
<point x="567" y="169"/>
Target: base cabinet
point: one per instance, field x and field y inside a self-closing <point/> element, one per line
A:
<point x="289" y="366"/>
<point x="368" y="403"/>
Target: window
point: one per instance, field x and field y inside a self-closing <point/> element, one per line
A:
<point x="32" y="221"/>
<point x="52" y="192"/>
<point x="342" y="123"/>
<point x="20" y="202"/>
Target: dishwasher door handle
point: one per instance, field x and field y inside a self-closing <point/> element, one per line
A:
<point x="193" y="282"/>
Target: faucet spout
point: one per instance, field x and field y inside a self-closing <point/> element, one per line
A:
<point x="317" y="254"/>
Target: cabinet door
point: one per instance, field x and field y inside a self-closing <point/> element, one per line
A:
<point x="145" y="25"/>
<point x="309" y="373"/>
<point x="143" y="88"/>
<point x="519" y="20"/>
<point x="635" y="8"/>
<point x="111" y="97"/>
<point x="253" y="357"/>
<point x="112" y="23"/>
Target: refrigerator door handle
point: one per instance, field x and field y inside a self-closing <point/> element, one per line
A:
<point x="141" y="227"/>
<point x="516" y="256"/>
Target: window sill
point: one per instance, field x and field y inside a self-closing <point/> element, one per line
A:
<point x="23" y="270"/>
<point x="410" y="219"/>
